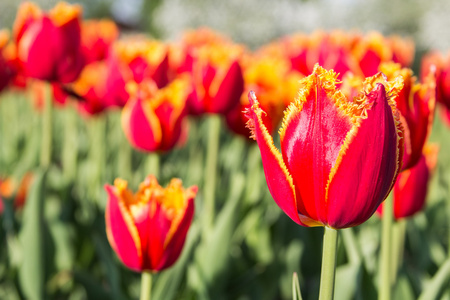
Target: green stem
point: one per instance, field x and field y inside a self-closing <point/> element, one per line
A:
<point x="398" y="240"/>
<point x="152" y="164"/>
<point x="351" y="246"/>
<point x="124" y="159"/>
<point x="211" y="169"/>
<point x="70" y="147"/>
<point x="146" y="285"/>
<point x="385" y="286"/>
<point x="47" y="116"/>
<point x="328" y="272"/>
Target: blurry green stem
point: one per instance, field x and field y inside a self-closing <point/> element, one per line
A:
<point x="351" y="246"/>
<point x="398" y="240"/>
<point x="146" y="285"/>
<point x="125" y="153"/>
<point x="211" y="169"/>
<point x="152" y="164"/>
<point x="70" y="147"/>
<point x="385" y="286"/>
<point x="328" y="271"/>
<point x="47" y="116"/>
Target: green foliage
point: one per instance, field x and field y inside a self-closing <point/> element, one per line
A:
<point x="56" y="247"/>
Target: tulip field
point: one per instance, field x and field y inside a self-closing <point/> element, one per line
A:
<point x="314" y="166"/>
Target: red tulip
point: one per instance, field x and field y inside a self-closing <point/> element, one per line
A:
<point x="152" y="119"/>
<point x="410" y="189"/>
<point x="48" y="44"/>
<point x="416" y="103"/>
<point x="339" y="157"/>
<point x="147" y="230"/>
<point x="374" y="49"/>
<point x="213" y="64"/>
<point x="97" y="37"/>
<point x="135" y="59"/>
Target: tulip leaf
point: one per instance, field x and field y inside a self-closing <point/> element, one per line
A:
<point x="212" y="255"/>
<point x="32" y="270"/>
<point x="437" y="284"/>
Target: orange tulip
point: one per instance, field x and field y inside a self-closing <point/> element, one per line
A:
<point x="147" y="230"/>
<point x="339" y="157"/>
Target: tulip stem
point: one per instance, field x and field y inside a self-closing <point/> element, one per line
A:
<point x="211" y="169"/>
<point x="46" y="143"/>
<point x="398" y="239"/>
<point x="152" y="164"/>
<point x="146" y="285"/>
<point x="328" y="272"/>
<point x="70" y="146"/>
<point x="385" y="282"/>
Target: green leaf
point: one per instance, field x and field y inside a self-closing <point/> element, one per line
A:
<point x="437" y="284"/>
<point x="32" y="270"/>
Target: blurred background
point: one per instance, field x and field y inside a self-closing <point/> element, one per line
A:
<point x="255" y="22"/>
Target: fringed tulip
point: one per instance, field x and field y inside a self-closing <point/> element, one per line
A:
<point x="48" y="44"/>
<point x="97" y="37"/>
<point x="147" y="230"/>
<point x="339" y="157"/>
<point x="152" y="119"/>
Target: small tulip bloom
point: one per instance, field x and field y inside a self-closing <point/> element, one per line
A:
<point x="135" y="59"/>
<point x="9" y="188"/>
<point x="152" y="119"/>
<point x="217" y="78"/>
<point x="339" y="157"/>
<point x="147" y="229"/>
<point x="48" y="44"/>
<point x="411" y="187"/>
<point x="97" y="37"/>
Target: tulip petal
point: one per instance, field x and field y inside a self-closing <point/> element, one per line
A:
<point x="121" y="231"/>
<point x="174" y="243"/>
<point x="278" y="179"/>
<point x="367" y="165"/>
<point x="141" y="125"/>
<point x="229" y="92"/>
<point x="313" y="132"/>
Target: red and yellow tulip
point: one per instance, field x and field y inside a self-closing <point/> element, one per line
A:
<point x="152" y="119"/>
<point x="97" y="37"/>
<point x="339" y="157"/>
<point x="48" y="43"/>
<point x="147" y="229"/>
